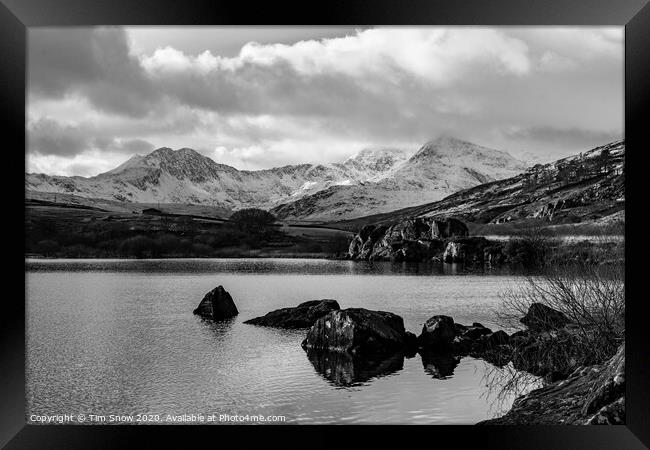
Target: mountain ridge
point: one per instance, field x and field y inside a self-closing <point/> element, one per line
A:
<point x="588" y="187"/>
<point x="188" y="177"/>
<point x="439" y="168"/>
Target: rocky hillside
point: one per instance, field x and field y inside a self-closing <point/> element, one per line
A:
<point x="186" y="177"/>
<point x="583" y="188"/>
<point x="440" y="168"/>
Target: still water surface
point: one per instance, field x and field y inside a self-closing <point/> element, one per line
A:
<point x="119" y="337"/>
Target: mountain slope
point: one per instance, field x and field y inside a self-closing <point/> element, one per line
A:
<point x="440" y="168"/>
<point x="589" y="187"/>
<point x="185" y="176"/>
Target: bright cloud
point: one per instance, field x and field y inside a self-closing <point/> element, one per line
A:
<point x="96" y="97"/>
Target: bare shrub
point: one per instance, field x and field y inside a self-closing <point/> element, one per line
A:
<point x="591" y="296"/>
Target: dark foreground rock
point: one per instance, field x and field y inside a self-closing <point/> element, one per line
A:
<point x="543" y="318"/>
<point x="593" y="395"/>
<point x="217" y="305"/>
<point x="302" y="316"/>
<point x="344" y="369"/>
<point x="438" y="333"/>
<point x="358" y="331"/>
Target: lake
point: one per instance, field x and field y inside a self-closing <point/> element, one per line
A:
<point x="119" y="337"/>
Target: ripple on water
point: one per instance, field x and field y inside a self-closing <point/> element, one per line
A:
<point x="119" y="337"/>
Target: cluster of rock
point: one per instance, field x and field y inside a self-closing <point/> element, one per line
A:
<point x="423" y="239"/>
<point x="302" y="316"/>
<point x="348" y="346"/>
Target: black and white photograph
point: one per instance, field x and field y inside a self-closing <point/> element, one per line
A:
<point x="288" y="225"/>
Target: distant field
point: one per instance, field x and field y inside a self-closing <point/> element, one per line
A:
<point x="77" y="230"/>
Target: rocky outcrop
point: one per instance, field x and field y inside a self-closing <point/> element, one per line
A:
<point x="448" y="228"/>
<point x="470" y="250"/>
<point x="302" y="316"/>
<point x="542" y="318"/>
<point x="593" y="395"/>
<point x="528" y="350"/>
<point x="358" y="331"/>
<point x="408" y="240"/>
<point x="217" y="305"/>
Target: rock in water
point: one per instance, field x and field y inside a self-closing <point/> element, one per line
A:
<point x="302" y="316"/>
<point x="542" y="318"/>
<point x="357" y="331"/>
<point x="438" y="332"/>
<point x="217" y="305"/>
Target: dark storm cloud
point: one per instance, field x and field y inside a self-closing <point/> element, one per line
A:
<point x="94" y="63"/>
<point x="48" y="137"/>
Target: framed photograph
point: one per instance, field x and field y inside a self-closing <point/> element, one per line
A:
<point x="364" y="213"/>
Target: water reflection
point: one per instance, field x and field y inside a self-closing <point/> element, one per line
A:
<point x="440" y="366"/>
<point x="254" y="266"/>
<point x="345" y="370"/>
<point x="220" y="328"/>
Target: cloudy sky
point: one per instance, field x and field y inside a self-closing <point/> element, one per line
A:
<point x="268" y="96"/>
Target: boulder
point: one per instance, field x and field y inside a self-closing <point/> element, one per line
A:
<point x="497" y="338"/>
<point x="302" y="316"/>
<point x="438" y="332"/>
<point x="357" y="331"/>
<point x="543" y="318"/>
<point x="217" y="305"/>
<point x="476" y="331"/>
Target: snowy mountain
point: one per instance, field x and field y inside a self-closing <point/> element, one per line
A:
<point x="372" y="181"/>
<point x="440" y="168"/>
<point x="375" y="164"/>
<point x="185" y="176"/>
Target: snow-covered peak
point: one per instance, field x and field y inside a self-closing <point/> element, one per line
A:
<point x="448" y="149"/>
<point x="376" y="162"/>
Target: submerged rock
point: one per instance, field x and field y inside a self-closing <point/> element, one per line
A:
<point x="358" y="331"/>
<point x="302" y="316"/>
<point x="543" y="318"/>
<point x="217" y="305"/>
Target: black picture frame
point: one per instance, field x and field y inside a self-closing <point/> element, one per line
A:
<point x="16" y="16"/>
